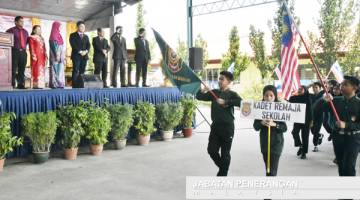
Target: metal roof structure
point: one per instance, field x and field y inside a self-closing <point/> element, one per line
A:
<point x="93" y="12"/>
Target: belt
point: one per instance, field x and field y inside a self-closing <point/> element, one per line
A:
<point x="349" y="132"/>
<point x="20" y="49"/>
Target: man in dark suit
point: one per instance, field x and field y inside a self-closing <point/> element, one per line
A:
<point x="101" y="49"/>
<point x="80" y="45"/>
<point x="142" y="57"/>
<point x="119" y="56"/>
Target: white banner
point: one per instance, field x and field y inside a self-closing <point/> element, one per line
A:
<point x="287" y="187"/>
<point x="277" y="111"/>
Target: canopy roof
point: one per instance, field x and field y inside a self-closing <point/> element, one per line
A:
<point x="92" y="11"/>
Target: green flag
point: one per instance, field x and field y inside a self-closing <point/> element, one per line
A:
<point x="176" y="70"/>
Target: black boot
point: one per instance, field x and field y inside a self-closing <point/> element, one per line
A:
<point x="299" y="152"/>
<point x="303" y="156"/>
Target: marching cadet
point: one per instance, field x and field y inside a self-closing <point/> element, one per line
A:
<point x="276" y="132"/>
<point x="317" y="116"/>
<point x="222" y="115"/>
<point x="303" y="142"/>
<point x="346" y="135"/>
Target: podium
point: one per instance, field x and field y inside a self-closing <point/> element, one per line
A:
<point x="6" y="42"/>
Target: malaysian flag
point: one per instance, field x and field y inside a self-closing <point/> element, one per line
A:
<point x="296" y="82"/>
<point x="289" y="57"/>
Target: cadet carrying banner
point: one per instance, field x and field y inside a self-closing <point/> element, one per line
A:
<point x="176" y="70"/>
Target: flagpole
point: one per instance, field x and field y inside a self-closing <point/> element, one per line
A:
<point x="208" y="89"/>
<point x="327" y="76"/>
<point x="313" y="62"/>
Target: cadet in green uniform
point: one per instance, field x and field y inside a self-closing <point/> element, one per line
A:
<point x="222" y="116"/>
<point x="346" y="135"/>
<point x="276" y="138"/>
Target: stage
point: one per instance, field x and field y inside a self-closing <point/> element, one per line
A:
<point x="22" y="102"/>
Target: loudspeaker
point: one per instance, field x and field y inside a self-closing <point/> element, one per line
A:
<point x="88" y="81"/>
<point x="196" y="58"/>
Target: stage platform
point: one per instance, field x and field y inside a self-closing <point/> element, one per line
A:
<point x="22" y="102"/>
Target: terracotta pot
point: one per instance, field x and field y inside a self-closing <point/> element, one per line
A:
<point x="167" y="135"/>
<point x="41" y="157"/>
<point x="120" y="144"/>
<point x="187" y="132"/>
<point x="2" y="161"/>
<point x="143" y="139"/>
<point x="71" y="154"/>
<point x="96" y="149"/>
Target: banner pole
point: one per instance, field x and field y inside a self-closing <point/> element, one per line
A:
<point x="268" y="151"/>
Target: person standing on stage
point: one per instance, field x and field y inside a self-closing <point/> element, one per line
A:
<point x="142" y="57"/>
<point x="19" y="56"/>
<point x="303" y="142"/>
<point x="101" y="49"/>
<point x="346" y="135"/>
<point x="38" y="58"/>
<point x="119" y="57"/>
<point x="80" y="45"/>
<point x="276" y="134"/>
<point x="57" y="71"/>
<point x="222" y="115"/>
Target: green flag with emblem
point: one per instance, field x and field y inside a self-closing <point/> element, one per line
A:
<point x="177" y="71"/>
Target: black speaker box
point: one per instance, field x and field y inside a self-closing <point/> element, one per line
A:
<point x="196" y="58"/>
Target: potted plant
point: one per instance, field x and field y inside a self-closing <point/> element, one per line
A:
<point x="7" y="141"/>
<point x="168" y="116"/>
<point x="121" y="117"/>
<point x="189" y="104"/>
<point x="97" y="127"/>
<point x="144" y="119"/>
<point x="40" y="128"/>
<point x="71" y="120"/>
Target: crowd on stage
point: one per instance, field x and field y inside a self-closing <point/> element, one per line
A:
<point x="344" y="133"/>
<point x="80" y="44"/>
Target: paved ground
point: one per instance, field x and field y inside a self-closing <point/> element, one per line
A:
<point x="156" y="172"/>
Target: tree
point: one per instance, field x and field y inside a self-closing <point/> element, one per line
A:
<point x="182" y="50"/>
<point x="352" y="58"/>
<point x="140" y="21"/>
<point x="256" y="40"/>
<point x="234" y="55"/>
<point x="336" y="17"/>
<point x="201" y="43"/>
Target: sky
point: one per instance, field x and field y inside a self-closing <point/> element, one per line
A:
<point x="168" y="17"/>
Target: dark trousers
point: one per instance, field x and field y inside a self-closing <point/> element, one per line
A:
<point x="346" y="149"/>
<point x="304" y="141"/>
<point x="19" y="58"/>
<point x="118" y="63"/>
<point x="220" y="139"/>
<point x="315" y="130"/>
<point x="274" y="163"/>
<point x="129" y="74"/>
<point x="101" y="67"/>
<point x="141" y="67"/>
<point x="79" y="66"/>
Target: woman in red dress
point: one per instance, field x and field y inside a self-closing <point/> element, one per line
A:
<point x="38" y="58"/>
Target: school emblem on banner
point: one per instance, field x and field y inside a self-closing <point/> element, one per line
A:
<point x="246" y="109"/>
<point x="174" y="62"/>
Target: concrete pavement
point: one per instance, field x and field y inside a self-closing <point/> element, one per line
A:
<point x="157" y="171"/>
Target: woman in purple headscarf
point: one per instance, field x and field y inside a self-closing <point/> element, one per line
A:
<point x="57" y="72"/>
